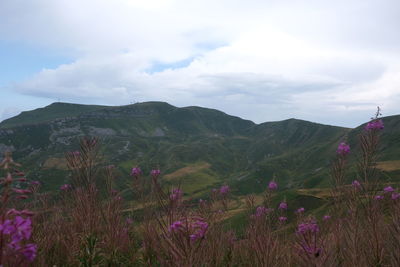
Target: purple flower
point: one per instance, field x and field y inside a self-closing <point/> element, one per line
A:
<point x="136" y="171"/>
<point x="175" y="226"/>
<point x="260" y="211"/>
<point x="200" y="228"/>
<point x="282" y="219"/>
<point x="155" y="172"/>
<point x="176" y="194"/>
<point x="23" y="227"/>
<point x="300" y="210"/>
<point x="224" y="189"/>
<point x="283" y="206"/>
<point x="129" y="220"/>
<point x="388" y="189"/>
<point x="395" y="196"/>
<point x="18" y="229"/>
<point x="378" y="197"/>
<point x="356" y="184"/>
<point x="65" y="187"/>
<point x="343" y="149"/>
<point x="29" y="251"/>
<point x="375" y="125"/>
<point x="8" y="227"/>
<point x="326" y="217"/>
<point x="308" y="227"/>
<point x="272" y="185"/>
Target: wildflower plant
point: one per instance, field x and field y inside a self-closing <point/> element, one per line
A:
<point x="16" y="247"/>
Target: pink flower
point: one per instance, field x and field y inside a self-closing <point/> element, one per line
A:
<point x="388" y="189"/>
<point x="283" y="206"/>
<point x="224" y="189"/>
<point x="308" y="227"/>
<point x="155" y="172"/>
<point x="65" y="187"/>
<point x="18" y="228"/>
<point x="378" y="197"/>
<point x="356" y="184"/>
<point x="200" y="228"/>
<point x="175" y="226"/>
<point x="343" y="149"/>
<point x="326" y="217"/>
<point x="7" y="227"/>
<point x="395" y="196"/>
<point x="272" y="185"/>
<point x="196" y="229"/>
<point x="300" y="210"/>
<point x="136" y="171"/>
<point x="29" y="251"/>
<point x="375" y="125"/>
<point x="282" y="219"/>
<point x="23" y="227"/>
<point x="260" y="211"/>
<point x="176" y="194"/>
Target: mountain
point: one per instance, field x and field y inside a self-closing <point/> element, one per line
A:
<point x="197" y="147"/>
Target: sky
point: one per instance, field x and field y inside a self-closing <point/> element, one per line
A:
<point x="331" y="62"/>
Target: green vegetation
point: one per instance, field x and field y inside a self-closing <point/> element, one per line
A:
<point x="158" y="135"/>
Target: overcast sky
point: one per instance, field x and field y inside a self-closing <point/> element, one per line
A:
<point x="328" y="61"/>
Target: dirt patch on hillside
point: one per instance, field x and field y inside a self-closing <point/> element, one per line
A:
<point x="315" y="192"/>
<point x="56" y="163"/>
<point x="188" y="170"/>
<point x="391" y="165"/>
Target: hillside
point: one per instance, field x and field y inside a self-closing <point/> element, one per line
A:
<point x="197" y="147"/>
<point x="48" y="114"/>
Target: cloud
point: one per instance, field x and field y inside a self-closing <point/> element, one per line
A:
<point x="9" y="112"/>
<point x="267" y="60"/>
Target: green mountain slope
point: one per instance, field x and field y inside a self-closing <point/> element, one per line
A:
<point x="198" y="147"/>
<point x="48" y="114"/>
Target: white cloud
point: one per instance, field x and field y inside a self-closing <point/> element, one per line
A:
<point x="262" y="60"/>
<point x="9" y="112"/>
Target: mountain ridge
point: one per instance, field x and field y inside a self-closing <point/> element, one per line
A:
<point x="24" y="118"/>
<point x="157" y="134"/>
